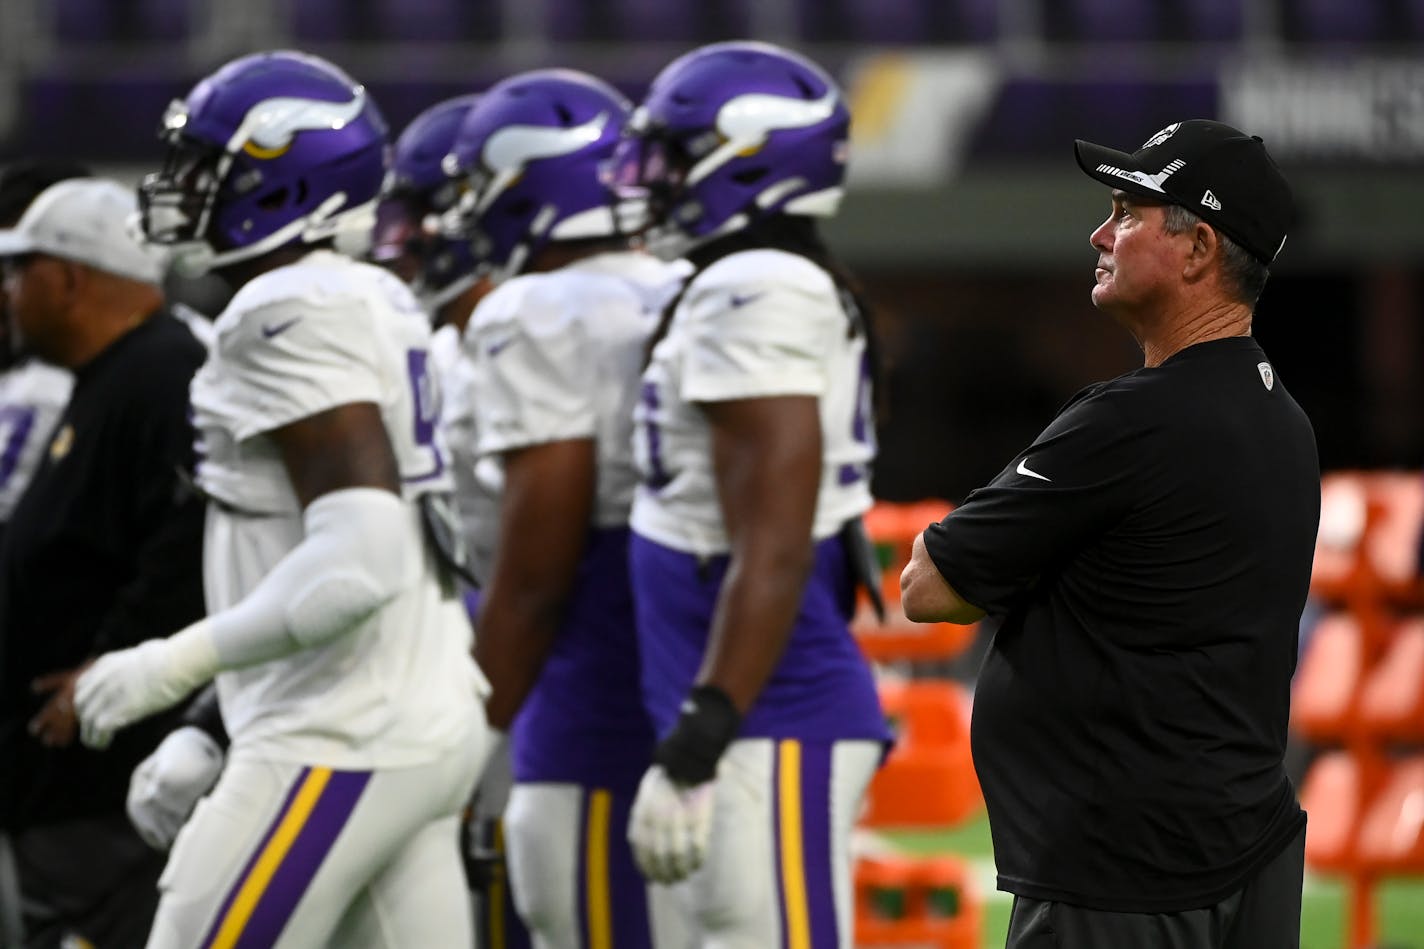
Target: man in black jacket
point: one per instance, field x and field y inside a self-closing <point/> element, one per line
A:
<point x="103" y="551"/>
<point x="1149" y="555"/>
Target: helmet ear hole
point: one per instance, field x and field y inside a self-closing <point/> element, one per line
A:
<point x="521" y="207"/>
<point x="273" y="200"/>
<point x="750" y="176"/>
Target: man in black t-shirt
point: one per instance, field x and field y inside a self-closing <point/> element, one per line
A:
<point x="1149" y="555"/>
<point x="103" y="550"/>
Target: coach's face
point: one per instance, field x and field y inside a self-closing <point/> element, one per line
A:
<point x="38" y="291"/>
<point x="1138" y="261"/>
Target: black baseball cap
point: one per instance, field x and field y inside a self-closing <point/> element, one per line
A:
<point x="1213" y="170"/>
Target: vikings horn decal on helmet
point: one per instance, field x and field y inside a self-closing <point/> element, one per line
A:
<point x="529" y="156"/>
<point x="729" y="133"/>
<point x="417" y="192"/>
<point x="273" y="149"/>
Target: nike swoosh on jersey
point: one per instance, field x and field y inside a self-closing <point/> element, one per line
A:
<point x="740" y="300"/>
<point x="1024" y="469"/>
<point x="494" y="349"/>
<point x="269" y="331"/>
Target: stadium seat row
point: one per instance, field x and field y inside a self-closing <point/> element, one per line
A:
<point x="1359" y="689"/>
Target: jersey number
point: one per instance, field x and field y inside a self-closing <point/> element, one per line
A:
<point x="425" y="394"/>
<point x="657" y="476"/>
<point x="15" y="424"/>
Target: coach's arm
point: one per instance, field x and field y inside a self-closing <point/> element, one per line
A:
<point x="925" y="595"/>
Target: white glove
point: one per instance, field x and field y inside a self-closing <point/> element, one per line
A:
<point x="670" y="826"/>
<point x="168" y="783"/>
<point x="124" y="686"/>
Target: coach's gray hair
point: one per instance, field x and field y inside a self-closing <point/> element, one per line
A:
<point x="1243" y="273"/>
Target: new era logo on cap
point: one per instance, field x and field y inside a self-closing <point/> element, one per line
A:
<point x="1219" y="172"/>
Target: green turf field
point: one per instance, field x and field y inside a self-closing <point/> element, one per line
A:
<point x="1322" y="924"/>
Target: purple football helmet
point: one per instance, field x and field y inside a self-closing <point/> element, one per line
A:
<point x="727" y="134"/>
<point x="529" y="156"/>
<point x="416" y="193"/>
<point x="273" y="149"/>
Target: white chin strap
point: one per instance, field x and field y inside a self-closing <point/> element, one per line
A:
<point x="433" y="300"/>
<point x="349" y="230"/>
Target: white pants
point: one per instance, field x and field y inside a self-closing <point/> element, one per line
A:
<point x="298" y="857"/>
<point x="571" y="869"/>
<point x="778" y="873"/>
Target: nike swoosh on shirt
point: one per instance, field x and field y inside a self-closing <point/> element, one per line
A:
<point x="494" y="349"/>
<point x="269" y="331"/>
<point x="740" y="300"/>
<point x="1023" y="469"/>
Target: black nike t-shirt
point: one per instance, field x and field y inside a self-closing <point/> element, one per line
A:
<point x="1149" y="555"/>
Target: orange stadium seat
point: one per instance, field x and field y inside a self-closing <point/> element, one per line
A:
<point x="916" y="903"/>
<point x="1323" y="697"/>
<point x="1392" y="536"/>
<point x="1391" y="700"/>
<point x="928" y="779"/>
<point x="892" y="529"/>
<point x="1392" y="832"/>
<point x="1333" y="795"/>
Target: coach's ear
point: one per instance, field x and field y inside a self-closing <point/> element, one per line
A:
<point x="1202" y="253"/>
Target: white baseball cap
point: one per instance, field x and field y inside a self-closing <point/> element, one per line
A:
<point x="84" y="220"/>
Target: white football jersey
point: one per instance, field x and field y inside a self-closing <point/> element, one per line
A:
<point x="33" y="395"/>
<point x="296" y="341"/>
<point x="754" y="324"/>
<point x="478" y="481"/>
<point x="555" y="356"/>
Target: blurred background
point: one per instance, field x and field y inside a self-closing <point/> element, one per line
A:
<point x="968" y="219"/>
<point x="968" y="222"/>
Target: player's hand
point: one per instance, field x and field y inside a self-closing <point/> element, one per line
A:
<point x="670" y="826"/>
<point x="124" y="686"/>
<point x="167" y="784"/>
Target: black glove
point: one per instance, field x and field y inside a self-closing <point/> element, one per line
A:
<point x="706" y="726"/>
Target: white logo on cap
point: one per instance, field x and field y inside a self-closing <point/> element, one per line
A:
<point x="1162" y="136"/>
<point x="1268" y="378"/>
<point x="1211" y="201"/>
<point x="1154" y="182"/>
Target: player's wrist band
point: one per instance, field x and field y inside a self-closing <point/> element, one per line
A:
<point x="708" y="723"/>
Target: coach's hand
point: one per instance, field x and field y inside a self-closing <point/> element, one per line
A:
<point x="671" y="822"/>
<point x="166" y="785"/>
<point x="124" y="686"/>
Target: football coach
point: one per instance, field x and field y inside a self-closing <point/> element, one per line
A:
<point x="1148" y="556"/>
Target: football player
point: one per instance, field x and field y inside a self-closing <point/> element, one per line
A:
<point x="442" y="271"/>
<point x="754" y="438"/>
<point x="340" y="649"/>
<point x="554" y="352"/>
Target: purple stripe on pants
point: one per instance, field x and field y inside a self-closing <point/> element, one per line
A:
<point x="252" y="860"/>
<point x="323" y="825"/>
<point x="816" y="850"/>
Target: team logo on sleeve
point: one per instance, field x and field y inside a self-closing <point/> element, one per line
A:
<point x="1268" y="377"/>
<point x="61" y="443"/>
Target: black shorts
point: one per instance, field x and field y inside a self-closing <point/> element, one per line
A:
<point x="1263" y="914"/>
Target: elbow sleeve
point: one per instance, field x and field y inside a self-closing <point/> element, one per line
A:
<point x="361" y="548"/>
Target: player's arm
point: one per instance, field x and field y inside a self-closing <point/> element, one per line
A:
<point x="766" y="458"/>
<point x="360" y="548"/>
<point x="766" y="455"/>
<point x="927" y="597"/>
<point x="544" y="520"/>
